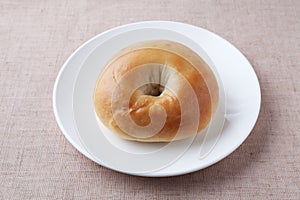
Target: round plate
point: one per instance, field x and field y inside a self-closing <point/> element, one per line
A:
<point x="235" y="73"/>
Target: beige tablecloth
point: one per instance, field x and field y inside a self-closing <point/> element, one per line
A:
<point x="36" y="160"/>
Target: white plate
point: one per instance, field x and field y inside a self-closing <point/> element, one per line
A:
<point x="239" y="81"/>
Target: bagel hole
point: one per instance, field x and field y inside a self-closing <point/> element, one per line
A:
<point x="152" y="89"/>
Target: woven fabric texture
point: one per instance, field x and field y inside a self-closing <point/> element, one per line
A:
<point x="36" y="160"/>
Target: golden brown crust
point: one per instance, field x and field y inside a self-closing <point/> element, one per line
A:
<point x="181" y="59"/>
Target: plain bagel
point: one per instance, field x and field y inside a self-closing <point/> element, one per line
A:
<point x="156" y="91"/>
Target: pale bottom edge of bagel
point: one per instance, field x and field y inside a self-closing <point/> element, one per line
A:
<point x="146" y="140"/>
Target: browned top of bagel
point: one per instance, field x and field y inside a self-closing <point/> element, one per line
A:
<point x="165" y="65"/>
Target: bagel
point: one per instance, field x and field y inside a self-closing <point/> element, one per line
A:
<point x="156" y="91"/>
